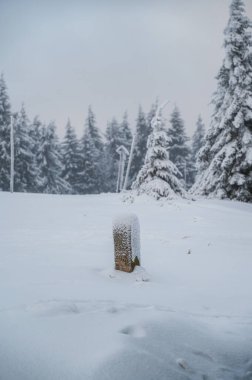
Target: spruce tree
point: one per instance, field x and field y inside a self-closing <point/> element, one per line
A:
<point x="91" y="176"/>
<point x="225" y="161"/>
<point x="113" y="138"/>
<point x="50" y="163"/>
<point x="158" y="176"/>
<point x="189" y="173"/>
<point x="151" y="114"/>
<point x="140" y="148"/>
<point x="93" y="130"/>
<point x="198" y="138"/>
<point x="179" y="150"/>
<point x="5" y="120"/>
<point x="35" y="133"/>
<point x="25" y="159"/>
<point x="71" y="159"/>
<point x="142" y="132"/>
<point x="196" y="145"/>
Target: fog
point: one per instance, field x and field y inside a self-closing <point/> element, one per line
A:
<point x="58" y="57"/>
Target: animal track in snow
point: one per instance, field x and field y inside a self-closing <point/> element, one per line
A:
<point x="182" y="363"/>
<point x="134" y="331"/>
<point x="51" y="308"/>
<point x="203" y="355"/>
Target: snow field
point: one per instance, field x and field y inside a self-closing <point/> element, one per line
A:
<point x="66" y="314"/>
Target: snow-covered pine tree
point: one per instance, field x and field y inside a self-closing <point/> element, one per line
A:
<point x="25" y="168"/>
<point x="158" y="176"/>
<point x="113" y="138"/>
<point x="50" y="163"/>
<point x="142" y="132"/>
<point x="71" y="158"/>
<point x="225" y="161"/>
<point x="196" y="144"/>
<point x="90" y="174"/>
<point x="179" y="150"/>
<point x="5" y="119"/>
<point x="190" y="170"/>
<point x="93" y="130"/>
<point x="198" y="138"/>
<point x="150" y="115"/>
<point x="35" y="133"/>
<point x="220" y="93"/>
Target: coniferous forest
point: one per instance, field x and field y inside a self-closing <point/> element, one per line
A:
<point x="85" y="165"/>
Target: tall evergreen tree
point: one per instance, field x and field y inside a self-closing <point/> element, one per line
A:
<point x="91" y="178"/>
<point x="179" y="150"/>
<point x="93" y="130"/>
<point x="142" y="132"/>
<point x="198" y="138"/>
<point x="71" y="159"/>
<point x="5" y="119"/>
<point x="91" y="174"/>
<point x="113" y="138"/>
<point x="220" y="93"/>
<point x="50" y="163"/>
<point x="35" y="133"/>
<point x="225" y="161"/>
<point x="25" y="159"/>
<point x="197" y="143"/>
<point x="158" y="176"/>
<point x="189" y="172"/>
<point x="151" y="114"/>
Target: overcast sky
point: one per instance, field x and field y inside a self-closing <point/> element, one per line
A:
<point x="60" y="56"/>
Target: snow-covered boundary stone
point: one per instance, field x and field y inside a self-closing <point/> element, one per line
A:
<point x="126" y="234"/>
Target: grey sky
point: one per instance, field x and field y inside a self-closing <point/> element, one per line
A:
<point x="60" y="56"/>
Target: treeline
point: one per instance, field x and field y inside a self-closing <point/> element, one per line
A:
<point x="89" y="165"/>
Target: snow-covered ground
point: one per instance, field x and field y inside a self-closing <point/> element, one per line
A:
<point x="66" y="314"/>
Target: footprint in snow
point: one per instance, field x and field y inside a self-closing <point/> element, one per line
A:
<point x="203" y="355"/>
<point x="134" y="331"/>
<point x="53" y="308"/>
<point x="197" y="219"/>
<point x="182" y="363"/>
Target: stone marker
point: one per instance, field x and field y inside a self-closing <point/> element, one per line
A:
<point x="126" y="233"/>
